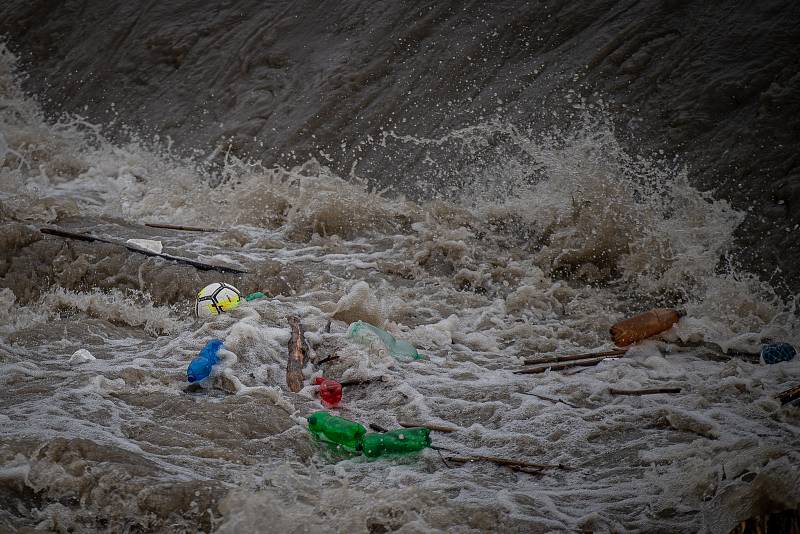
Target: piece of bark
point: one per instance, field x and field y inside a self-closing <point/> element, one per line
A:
<point x="638" y="392"/>
<point x="574" y="357"/>
<point x="177" y="259"/>
<point x="297" y="356"/>
<point x="180" y="227"/>
<point x="565" y="365"/>
<point x="436" y="428"/>
<point x="789" y="395"/>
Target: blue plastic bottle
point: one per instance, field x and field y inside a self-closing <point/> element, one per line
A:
<point x="200" y="366"/>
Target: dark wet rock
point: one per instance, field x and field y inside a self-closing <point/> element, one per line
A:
<point x="280" y="81"/>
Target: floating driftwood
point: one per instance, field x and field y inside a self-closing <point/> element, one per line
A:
<point x="180" y="227"/>
<point x="505" y="461"/>
<point x="297" y="356"/>
<point x="436" y="428"/>
<point x="573" y="357"/>
<point x="566" y="365"/>
<point x="789" y="395"/>
<point x="653" y="391"/>
<point x="178" y="259"/>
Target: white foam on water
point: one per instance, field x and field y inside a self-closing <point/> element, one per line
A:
<point x="539" y="254"/>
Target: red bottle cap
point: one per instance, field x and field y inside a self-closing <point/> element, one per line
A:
<point x="330" y="391"/>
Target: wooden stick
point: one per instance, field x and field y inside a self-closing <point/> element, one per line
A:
<point x="566" y="365"/>
<point x="180" y="227"/>
<point x="637" y="392"/>
<point x="789" y="395"/>
<point x="436" y="428"/>
<point x="377" y="428"/>
<point x="504" y="461"/>
<point x="178" y="259"/>
<point x="297" y="356"/>
<point x="573" y="357"/>
<point x="330" y="358"/>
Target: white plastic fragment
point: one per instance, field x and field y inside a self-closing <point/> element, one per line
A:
<point x="146" y="244"/>
<point x="81" y="356"/>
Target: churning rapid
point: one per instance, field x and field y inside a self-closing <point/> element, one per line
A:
<point x="537" y="249"/>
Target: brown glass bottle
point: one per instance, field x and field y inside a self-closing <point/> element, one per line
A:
<point x="643" y="326"/>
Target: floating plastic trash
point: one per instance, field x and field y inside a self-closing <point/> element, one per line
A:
<point x="336" y="430"/>
<point x="200" y="367"/>
<point x="330" y="391"/>
<point x="644" y="325"/>
<point x="777" y="352"/>
<point x="255" y="295"/>
<point x="81" y="356"/>
<point x="401" y="441"/>
<point x="366" y="334"/>
<point x="146" y="244"/>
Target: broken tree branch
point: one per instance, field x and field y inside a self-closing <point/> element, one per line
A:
<point x="639" y="392"/>
<point x="178" y="259"/>
<point x="436" y="428"/>
<point x="297" y="356"/>
<point x="574" y="357"/>
<point x="789" y="395"/>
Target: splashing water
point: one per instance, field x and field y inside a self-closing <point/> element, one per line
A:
<point x="536" y="244"/>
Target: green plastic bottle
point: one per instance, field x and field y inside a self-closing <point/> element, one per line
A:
<point x="400" y="441"/>
<point x="337" y="430"/>
<point x="366" y="334"/>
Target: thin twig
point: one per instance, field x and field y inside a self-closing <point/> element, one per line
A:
<point x="566" y="365"/>
<point x="443" y="460"/>
<point x="359" y="381"/>
<point x="548" y="398"/>
<point x="330" y="358"/>
<point x="639" y="392"/>
<point x="436" y="428"/>
<point x="180" y="227"/>
<point x="504" y="461"/>
<point x="178" y="259"/>
<point x="574" y="357"/>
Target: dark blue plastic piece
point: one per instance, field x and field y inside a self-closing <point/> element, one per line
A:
<point x="200" y="366"/>
<point x="777" y="352"/>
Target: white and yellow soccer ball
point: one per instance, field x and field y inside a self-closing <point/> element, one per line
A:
<point x="216" y="298"/>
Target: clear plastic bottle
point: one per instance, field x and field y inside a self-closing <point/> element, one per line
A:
<point x="367" y="334"/>
<point x="644" y="325"/>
